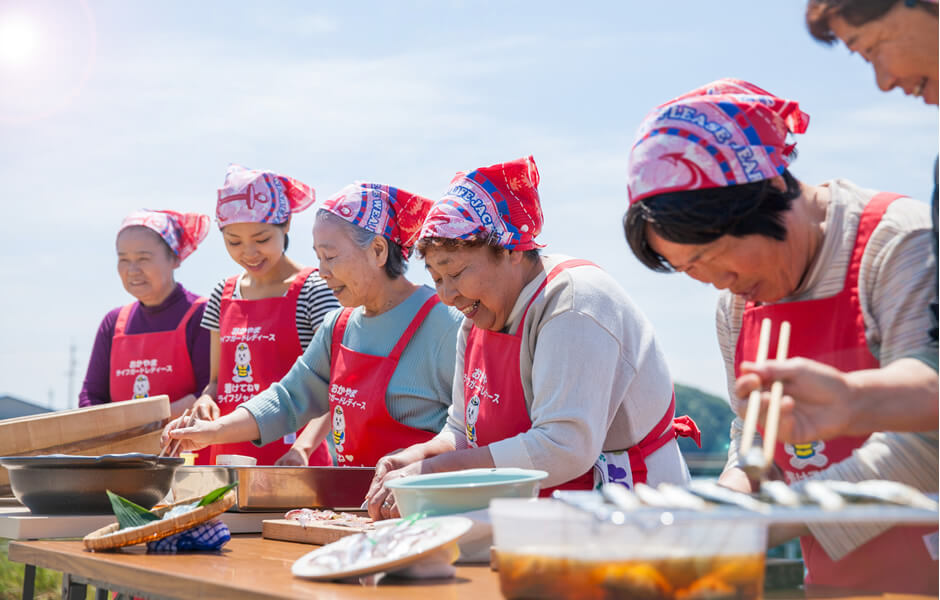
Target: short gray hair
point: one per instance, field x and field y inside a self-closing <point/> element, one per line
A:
<point x="395" y="264"/>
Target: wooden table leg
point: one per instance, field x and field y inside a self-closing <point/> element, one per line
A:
<point x="29" y="582"/>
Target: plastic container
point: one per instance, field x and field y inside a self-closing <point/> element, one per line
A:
<point x="547" y="549"/>
<point x="235" y="460"/>
<point x="462" y="491"/>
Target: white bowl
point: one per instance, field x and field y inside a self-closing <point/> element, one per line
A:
<point x="235" y="460"/>
<point x="462" y="491"/>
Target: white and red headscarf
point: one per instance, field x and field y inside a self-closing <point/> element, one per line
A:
<point x="499" y="203"/>
<point x="383" y="210"/>
<point x="254" y="196"/>
<point x="728" y="132"/>
<point x="182" y="232"/>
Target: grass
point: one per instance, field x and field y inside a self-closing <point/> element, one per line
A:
<point x="48" y="583"/>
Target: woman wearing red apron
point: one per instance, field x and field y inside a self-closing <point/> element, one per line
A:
<point x="152" y="346"/>
<point x="556" y="369"/>
<point x="847" y="267"/>
<point x="262" y="319"/>
<point x="382" y="368"/>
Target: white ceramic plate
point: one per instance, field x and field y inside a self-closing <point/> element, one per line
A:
<point x="445" y="531"/>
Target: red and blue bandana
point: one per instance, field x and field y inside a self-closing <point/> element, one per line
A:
<point x="728" y="132"/>
<point x="182" y="232"/>
<point x="253" y="196"/>
<point x="499" y="204"/>
<point x="382" y="209"/>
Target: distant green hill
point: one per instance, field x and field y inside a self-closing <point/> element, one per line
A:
<point x="712" y="415"/>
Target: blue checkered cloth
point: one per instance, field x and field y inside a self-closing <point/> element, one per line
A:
<point x="205" y="537"/>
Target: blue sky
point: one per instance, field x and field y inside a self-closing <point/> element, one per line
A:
<point x="121" y="105"/>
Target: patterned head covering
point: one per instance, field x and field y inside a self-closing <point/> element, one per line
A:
<point x="252" y="196"/>
<point x="728" y="132"/>
<point x="182" y="232"/>
<point x="383" y="210"/>
<point x="498" y="203"/>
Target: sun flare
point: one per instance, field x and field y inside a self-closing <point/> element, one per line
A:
<point x="18" y="40"/>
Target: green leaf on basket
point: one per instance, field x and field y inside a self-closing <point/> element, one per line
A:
<point x="129" y="514"/>
<point x="216" y="494"/>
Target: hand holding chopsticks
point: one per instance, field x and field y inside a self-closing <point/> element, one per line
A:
<point x="172" y="446"/>
<point x="753" y="462"/>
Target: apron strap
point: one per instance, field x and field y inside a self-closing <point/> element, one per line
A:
<point x="413" y="326"/>
<point x="229" y="289"/>
<point x="871" y="217"/>
<point x="121" y="324"/>
<point x="339" y="329"/>
<point x="574" y="262"/>
<point x="298" y="283"/>
<point x="189" y="313"/>
<point x="669" y="428"/>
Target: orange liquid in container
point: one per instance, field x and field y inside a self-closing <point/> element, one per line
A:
<point x="560" y="578"/>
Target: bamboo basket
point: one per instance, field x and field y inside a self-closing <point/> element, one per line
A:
<point x="109" y="537"/>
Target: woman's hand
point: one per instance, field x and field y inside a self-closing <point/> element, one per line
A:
<point x="379" y="500"/>
<point x="198" y="435"/>
<point x="206" y="409"/>
<point x="294" y="457"/>
<point x="817" y="402"/>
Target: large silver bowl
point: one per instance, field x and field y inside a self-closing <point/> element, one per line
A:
<point x="62" y="484"/>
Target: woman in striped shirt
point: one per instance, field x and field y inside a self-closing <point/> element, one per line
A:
<point x="262" y="319"/>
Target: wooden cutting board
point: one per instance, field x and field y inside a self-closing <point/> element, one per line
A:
<point x="315" y="533"/>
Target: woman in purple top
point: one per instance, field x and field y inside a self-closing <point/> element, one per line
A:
<point x="155" y="345"/>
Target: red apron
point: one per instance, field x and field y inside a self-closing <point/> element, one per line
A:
<point x="149" y="364"/>
<point x="832" y="331"/>
<point x="363" y="431"/>
<point x="495" y="399"/>
<point x="258" y="344"/>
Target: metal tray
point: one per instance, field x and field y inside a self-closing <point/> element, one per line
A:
<point x="265" y="489"/>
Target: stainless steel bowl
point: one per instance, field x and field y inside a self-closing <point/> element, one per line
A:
<point x="62" y="484"/>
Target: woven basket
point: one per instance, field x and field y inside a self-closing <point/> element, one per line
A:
<point x="110" y="537"/>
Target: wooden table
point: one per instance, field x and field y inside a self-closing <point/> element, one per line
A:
<point x="247" y="567"/>
<point x="256" y="568"/>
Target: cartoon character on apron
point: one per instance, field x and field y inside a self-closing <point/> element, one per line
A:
<point x="339" y="428"/>
<point x="242" y="369"/>
<point x="492" y="375"/>
<point x="897" y="560"/>
<point x="473" y="413"/>
<point x="358" y="387"/>
<point x="141" y="387"/>
<point x="258" y="344"/>
<point x="149" y="364"/>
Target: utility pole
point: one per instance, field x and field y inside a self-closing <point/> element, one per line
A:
<point x="71" y="376"/>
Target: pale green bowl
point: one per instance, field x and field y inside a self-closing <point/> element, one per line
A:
<point x="462" y="491"/>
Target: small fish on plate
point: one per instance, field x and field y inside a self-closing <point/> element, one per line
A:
<point x="309" y="516"/>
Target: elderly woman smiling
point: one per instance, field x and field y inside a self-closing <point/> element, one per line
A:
<point x="556" y="368"/>
<point x="383" y="366"/>
<point x="711" y="196"/>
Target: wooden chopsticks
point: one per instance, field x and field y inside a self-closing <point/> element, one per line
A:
<point x="190" y="417"/>
<point x="753" y="401"/>
<point x="776" y="394"/>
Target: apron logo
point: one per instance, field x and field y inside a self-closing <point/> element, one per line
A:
<point x="141" y="387"/>
<point x="806" y="455"/>
<point x="242" y="369"/>
<point x="339" y="431"/>
<point x="473" y="411"/>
